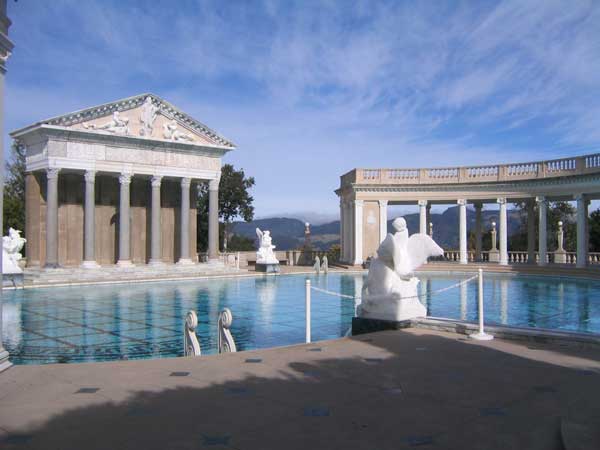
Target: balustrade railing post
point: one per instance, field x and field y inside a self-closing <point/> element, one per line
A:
<point x="481" y="335"/>
<point x="307" y="307"/>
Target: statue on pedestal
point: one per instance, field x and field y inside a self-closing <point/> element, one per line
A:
<point x="391" y="289"/>
<point x="265" y="254"/>
<point x="11" y="248"/>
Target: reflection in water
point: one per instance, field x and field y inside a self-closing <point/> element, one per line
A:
<point x="463" y="301"/>
<point x="11" y="323"/>
<point x="504" y="302"/>
<point x="146" y="320"/>
<point x="266" y="293"/>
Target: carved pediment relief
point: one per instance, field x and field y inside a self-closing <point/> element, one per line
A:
<point x="145" y="116"/>
<point x="144" y="121"/>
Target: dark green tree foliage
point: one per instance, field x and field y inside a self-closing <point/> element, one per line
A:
<point x="594" y="227"/>
<point x="14" y="190"/>
<point x="557" y="211"/>
<point x="234" y="201"/>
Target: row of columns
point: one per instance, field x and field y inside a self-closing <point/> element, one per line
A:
<point x="351" y="229"/>
<point x="582" y="230"/>
<point x="89" y="259"/>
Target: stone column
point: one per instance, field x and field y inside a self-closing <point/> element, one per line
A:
<point x="349" y="228"/>
<point x="155" y="243"/>
<point x="52" y="218"/>
<point x="382" y="219"/>
<point x="5" y="48"/>
<point x="423" y="216"/>
<point x="89" y="222"/>
<point x="462" y="214"/>
<point x="213" y="219"/>
<point x="358" y="232"/>
<point x="124" y="220"/>
<point x="582" y="238"/>
<point x="531" y="231"/>
<point x="478" y="239"/>
<point x="503" y="232"/>
<point x="342" y="238"/>
<point x="184" y="257"/>
<point x="543" y="230"/>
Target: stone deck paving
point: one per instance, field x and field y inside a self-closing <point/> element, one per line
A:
<point x="400" y="389"/>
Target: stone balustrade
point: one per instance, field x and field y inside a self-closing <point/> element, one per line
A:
<point x="522" y="257"/>
<point x="579" y="165"/>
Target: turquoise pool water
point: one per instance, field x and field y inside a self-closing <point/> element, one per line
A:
<point x="111" y="322"/>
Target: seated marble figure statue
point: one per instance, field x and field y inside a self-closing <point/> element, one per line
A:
<point x="390" y="292"/>
<point x="265" y="254"/>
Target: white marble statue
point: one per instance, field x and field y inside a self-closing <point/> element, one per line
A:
<point x="317" y="265"/>
<point x="147" y="117"/>
<point x="118" y="124"/>
<point x="325" y="264"/>
<point x="265" y="254"/>
<point x="11" y="248"/>
<point x="171" y="131"/>
<point x="391" y="289"/>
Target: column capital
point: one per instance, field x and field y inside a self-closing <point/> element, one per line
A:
<point x="186" y="182"/>
<point x="90" y="176"/>
<point x="125" y="178"/>
<point x="156" y="180"/>
<point x="52" y="173"/>
<point x="422" y="202"/>
<point x="382" y="203"/>
<point x="461" y="202"/>
<point x="540" y="199"/>
<point x="213" y="185"/>
<point x="501" y="201"/>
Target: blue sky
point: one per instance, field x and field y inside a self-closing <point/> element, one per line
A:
<point x="309" y="90"/>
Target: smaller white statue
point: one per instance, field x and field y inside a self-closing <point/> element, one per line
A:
<point x="325" y="264"/>
<point x="147" y="117"/>
<point x="117" y="124"/>
<point x="265" y="254"/>
<point x="391" y="289"/>
<point x="11" y="248"/>
<point x="171" y="131"/>
<point x="317" y="265"/>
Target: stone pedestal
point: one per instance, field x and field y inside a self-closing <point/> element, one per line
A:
<point x="494" y="256"/>
<point x="267" y="268"/>
<point x="560" y="257"/>
<point x="401" y="305"/>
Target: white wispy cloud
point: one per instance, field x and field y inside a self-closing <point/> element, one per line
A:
<point x="322" y="87"/>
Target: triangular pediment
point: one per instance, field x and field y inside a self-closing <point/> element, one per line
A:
<point x="144" y="116"/>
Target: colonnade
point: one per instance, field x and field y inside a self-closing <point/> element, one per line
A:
<point x="124" y="246"/>
<point x="353" y="224"/>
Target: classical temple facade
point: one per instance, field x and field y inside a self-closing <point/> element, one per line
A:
<point x="117" y="184"/>
<point x="366" y="193"/>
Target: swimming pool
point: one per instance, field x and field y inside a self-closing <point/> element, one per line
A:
<point x="130" y="321"/>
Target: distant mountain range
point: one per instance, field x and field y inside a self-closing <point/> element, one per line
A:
<point x="288" y="233"/>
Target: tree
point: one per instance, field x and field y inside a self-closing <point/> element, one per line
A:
<point x="14" y="190"/>
<point x="234" y="202"/>
<point x="594" y="226"/>
<point x="557" y="211"/>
